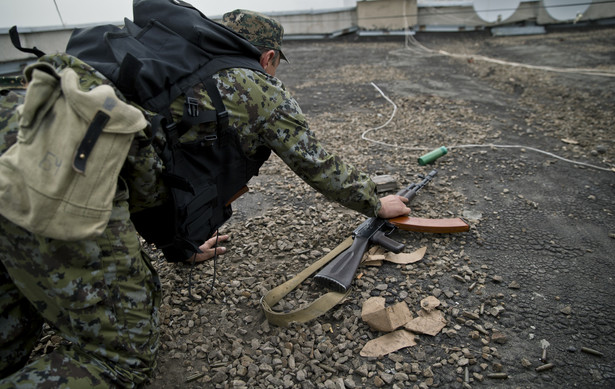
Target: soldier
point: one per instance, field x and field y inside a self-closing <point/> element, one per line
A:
<point x="283" y="128"/>
<point x="102" y="295"/>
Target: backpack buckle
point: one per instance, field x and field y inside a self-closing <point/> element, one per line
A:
<point x="210" y="137"/>
<point x="192" y="106"/>
<point x="222" y="115"/>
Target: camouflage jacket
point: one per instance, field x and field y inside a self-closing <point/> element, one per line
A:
<point x="264" y="114"/>
<point x="12" y="94"/>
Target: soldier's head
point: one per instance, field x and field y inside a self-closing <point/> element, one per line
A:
<point x="262" y="31"/>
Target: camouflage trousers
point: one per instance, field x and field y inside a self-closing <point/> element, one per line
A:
<point x="102" y="296"/>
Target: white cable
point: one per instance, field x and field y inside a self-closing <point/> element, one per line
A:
<point x="586" y="71"/>
<point x="410" y="39"/>
<point x="363" y="135"/>
<point x="489" y="145"/>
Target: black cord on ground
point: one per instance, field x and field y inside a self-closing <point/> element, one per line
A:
<point x="213" y="280"/>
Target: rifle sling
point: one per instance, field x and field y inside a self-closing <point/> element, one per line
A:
<point x="312" y="310"/>
<point x="330" y="299"/>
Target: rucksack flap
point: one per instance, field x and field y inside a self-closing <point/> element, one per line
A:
<point x="183" y="18"/>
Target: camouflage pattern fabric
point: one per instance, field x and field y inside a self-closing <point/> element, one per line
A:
<point x="9" y="126"/>
<point x="265" y="115"/>
<point x="258" y="29"/>
<point x="102" y="296"/>
<point x="12" y="82"/>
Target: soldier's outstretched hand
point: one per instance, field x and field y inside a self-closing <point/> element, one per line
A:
<point x="393" y="206"/>
<point x="209" y="248"/>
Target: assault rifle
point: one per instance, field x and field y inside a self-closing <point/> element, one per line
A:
<point x="339" y="273"/>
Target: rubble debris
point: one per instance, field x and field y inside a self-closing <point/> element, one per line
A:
<point x="385" y="319"/>
<point x="428" y="323"/>
<point x="385" y="183"/>
<point x="430" y="303"/>
<point x="544" y="367"/>
<point x="406" y="258"/>
<point x="591" y="351"/>
<point x="388" y="343"/>
<point x="498" y="376"/>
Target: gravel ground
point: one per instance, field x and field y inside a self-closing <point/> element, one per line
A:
<point x="534" y="270"/>
<point x="533" y="273"/>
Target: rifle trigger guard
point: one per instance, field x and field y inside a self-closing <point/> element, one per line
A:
<point x="390" y="228"/>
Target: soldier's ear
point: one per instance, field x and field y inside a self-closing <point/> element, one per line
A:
<point x="266" y="58"/>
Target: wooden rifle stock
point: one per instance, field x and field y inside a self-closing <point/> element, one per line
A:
<point x="417" y="224"/>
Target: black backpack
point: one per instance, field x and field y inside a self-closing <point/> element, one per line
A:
<point x="168" y="49"/>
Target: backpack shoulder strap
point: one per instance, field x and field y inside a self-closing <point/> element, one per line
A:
<point x="14" y="34"/>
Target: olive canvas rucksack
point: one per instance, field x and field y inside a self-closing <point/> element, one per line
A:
<point x="59" y="178"/>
